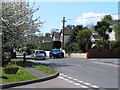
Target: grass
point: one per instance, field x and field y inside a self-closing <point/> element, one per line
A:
<point x="46" y="70"/>
<point x="22" y="75"/>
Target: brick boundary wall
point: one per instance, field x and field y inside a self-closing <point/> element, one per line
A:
<point x="95" y="53"/>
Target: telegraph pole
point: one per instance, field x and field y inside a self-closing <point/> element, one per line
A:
<point x="63" y="31"/>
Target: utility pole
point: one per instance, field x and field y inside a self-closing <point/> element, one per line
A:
<point x="63" y="31"/>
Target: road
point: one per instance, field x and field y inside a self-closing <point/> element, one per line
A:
<point x="79" y="73"/>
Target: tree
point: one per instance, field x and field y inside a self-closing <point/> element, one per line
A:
<point x="103" y="27"/>
<point x="117" y="31"/>
<point x="18" y="24"/>
<point x="72" y="45"/>
<point x="47" y="34"/>
<point x="83" y="37"/>
<point x="73" y="35"/>
<point x="108" y="18"/>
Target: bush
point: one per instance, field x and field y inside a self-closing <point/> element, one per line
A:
<point x="46" y="46"/>
<point x="57" y="44"/>
<point x="105" y="45"/>
<point x="115" y="44"/>
<point x="72" y="48"/>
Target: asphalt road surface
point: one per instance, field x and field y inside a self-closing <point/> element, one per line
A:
<point x="79" y="73"/>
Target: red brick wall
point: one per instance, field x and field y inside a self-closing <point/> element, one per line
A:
<point x="94" y="53"/>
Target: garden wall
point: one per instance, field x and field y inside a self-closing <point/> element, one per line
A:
<point x="95" y="53"/>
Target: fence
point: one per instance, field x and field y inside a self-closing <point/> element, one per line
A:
<point x="103" y="53"/>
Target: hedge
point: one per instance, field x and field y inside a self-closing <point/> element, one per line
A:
<point x="46" y="46"/>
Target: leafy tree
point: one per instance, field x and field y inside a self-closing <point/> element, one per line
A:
<point x="108" y="18"/>
<point x="117" y="31"/>
<point x="18" y="24"/>
<point x="72" y="45"/>
<point x="73" y="35"/>
<point x="103" y="27"/>
<point x="47" y="34"/>
<point x="82" y="37"/>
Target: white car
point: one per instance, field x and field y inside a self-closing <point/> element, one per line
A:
<point x="39" y="54"/>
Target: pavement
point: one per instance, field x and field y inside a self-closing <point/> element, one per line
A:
<point x="42" y="77"/>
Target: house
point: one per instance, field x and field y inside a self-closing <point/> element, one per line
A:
<point x="47" y="39"/>
<point x="56" y="36"/>
<point x="112" y="36"/>
<point x="66" y="35"/>
<point x="95" y="37"/>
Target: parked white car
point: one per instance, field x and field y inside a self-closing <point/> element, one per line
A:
<point x="39" y="54"/>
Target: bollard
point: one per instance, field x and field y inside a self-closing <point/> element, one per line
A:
<point x="24" y="57"/>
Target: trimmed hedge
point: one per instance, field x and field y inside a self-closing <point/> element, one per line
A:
<point x="46" y="46"/>
<point x="57" y="44"/>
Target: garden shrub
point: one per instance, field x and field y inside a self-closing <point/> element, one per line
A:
<point x="46" y="46"/>
<point x="57" y="44"/>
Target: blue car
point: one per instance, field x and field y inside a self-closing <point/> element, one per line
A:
<point x="54" y="53"/>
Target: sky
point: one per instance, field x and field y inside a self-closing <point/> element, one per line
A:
<point x="75" y="13"/>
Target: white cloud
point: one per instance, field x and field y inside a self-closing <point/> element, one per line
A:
<point x="92" y="18"/>
<point x="115" y="16"/>
<point x="89" y="18"/>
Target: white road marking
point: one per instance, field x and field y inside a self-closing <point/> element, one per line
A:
<point x="94" y="86"/>
<point x="70" y="77"/>
<point x="77" y="84"/>
<point x="105" y="63"/>
<point x="74" y="81"/>
<point x="81" y="81"/>
<point x="87" y="83"/>
<point x="70" y="81"/>
<point x="84" y="86"/>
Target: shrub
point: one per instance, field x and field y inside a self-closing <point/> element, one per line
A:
<point x="115" y="44"/>
<point x="46" y="46"/>
<point x="57" y="44"/>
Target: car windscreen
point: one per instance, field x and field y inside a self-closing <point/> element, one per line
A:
<point x="56" y="50"/>
<point x="39" y="52"/>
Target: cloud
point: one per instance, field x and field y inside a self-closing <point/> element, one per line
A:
<point x="115" y="16"/>
<point x="92" y="18"/>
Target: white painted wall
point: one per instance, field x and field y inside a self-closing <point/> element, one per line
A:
<point x="56" y="39"/>
<point x="76" y="55"/>
<point x="112" y="36"/>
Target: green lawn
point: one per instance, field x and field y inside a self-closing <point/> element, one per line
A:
<point x="22" y="75"/>
<point x="42" y="68"/>
<point x="45" y="69"/>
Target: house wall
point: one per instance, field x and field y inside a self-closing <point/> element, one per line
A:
<point x="112" y="36"/>
<point x="56" y="39"/>
<point x="66" y="37"/>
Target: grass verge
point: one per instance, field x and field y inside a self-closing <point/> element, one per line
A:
<point x="44" y="69"/>
<point x="22" y="75"/>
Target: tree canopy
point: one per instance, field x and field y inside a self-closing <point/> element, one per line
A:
<point x="103" y="27"/>
<point x="117" y="31"/>
<point x="18" y="24"/>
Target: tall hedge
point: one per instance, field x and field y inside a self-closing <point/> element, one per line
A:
<point x="46" y="46"/>
<point x="57" y="44"/>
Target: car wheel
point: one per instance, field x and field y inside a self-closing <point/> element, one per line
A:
<point x="54" y="56"/>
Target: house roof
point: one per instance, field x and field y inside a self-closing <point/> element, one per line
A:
<point x="47" y="38"/>
<point x="66" y="32"/>
<point x="97" y="36"/>
<point x="57" y="35"/>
